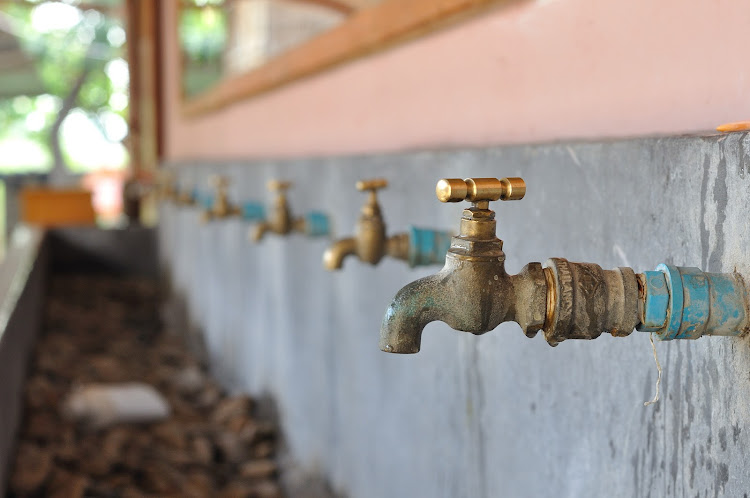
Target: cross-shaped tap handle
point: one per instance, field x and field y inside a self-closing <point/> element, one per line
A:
<point x="480" y="189"/>
<point x="372" y="185"/>
<point x="279" y="186"/>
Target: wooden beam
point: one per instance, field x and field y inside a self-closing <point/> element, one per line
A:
<point x="144" y="105"/>
<point x="367" y="31"/>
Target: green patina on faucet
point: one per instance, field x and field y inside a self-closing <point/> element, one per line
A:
<point x="473" y="292"/>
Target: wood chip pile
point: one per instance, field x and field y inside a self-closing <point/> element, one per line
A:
<point x="105" y="330"/>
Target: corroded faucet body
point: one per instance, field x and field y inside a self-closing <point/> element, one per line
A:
<point x="371" y="244"/>
<point x="474" y="293"/>
<point x="566" y="300"/>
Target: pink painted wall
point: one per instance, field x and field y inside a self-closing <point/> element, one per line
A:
<point x="543" y="70"/>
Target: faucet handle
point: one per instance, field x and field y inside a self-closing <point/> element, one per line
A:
<point x="372" y="185"/>
<point x="480" y="189"/>
<point x="279" y="186"/>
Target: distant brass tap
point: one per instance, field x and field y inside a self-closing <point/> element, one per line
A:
<point x="220" y="207"/>
<point x="187" y="195"/>
<point x="167" y="186"/>
<point x="281" y="222"/>
<point x="167" y="189"/>
<point x="370" y="243"/>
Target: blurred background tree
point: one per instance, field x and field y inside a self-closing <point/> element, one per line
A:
<point x="70" y="113"/>
<point x="203" y="34"/>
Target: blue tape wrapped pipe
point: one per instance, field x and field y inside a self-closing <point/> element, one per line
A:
<point x="317" y="224"/>
<point x="253" y="211"/>
<point x="655" y="301"/>
<point x="697" y="303"/>
<point x="428" y="247"/>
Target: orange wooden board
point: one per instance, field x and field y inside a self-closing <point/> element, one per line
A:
<point x="52" y="207"/>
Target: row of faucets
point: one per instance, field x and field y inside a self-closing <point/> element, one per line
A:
<point x="370" y="243"/>
<point x="474" y="293"/>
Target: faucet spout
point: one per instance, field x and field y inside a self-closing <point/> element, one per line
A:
<point x="468" y="295"/>
<point x="260" y="231"/>
<point x="333" y="259"/>
<point x="414" y="306"/>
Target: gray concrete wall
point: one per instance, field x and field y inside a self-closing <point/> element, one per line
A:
<point x="497" y="415"/>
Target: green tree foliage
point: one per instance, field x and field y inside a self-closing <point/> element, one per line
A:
<point x="203" y="31"/>
<point x="73" y="54"/>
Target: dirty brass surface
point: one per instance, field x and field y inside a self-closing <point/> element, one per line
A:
<point x="473" y="292"/>
<point x="370" y="242"/>
<point x="588" y="301"/>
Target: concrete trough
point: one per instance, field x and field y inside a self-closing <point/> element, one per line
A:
<point x="31" y="255"/>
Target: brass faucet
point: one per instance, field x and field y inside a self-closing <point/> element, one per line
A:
<point x="281" y="220"/>
<point x="186" y="197"/>
<point x="166" y="187"/>
<point x="370" y="244"/>
<point x="473" y="292"/>
<point x="220" y="207"/>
